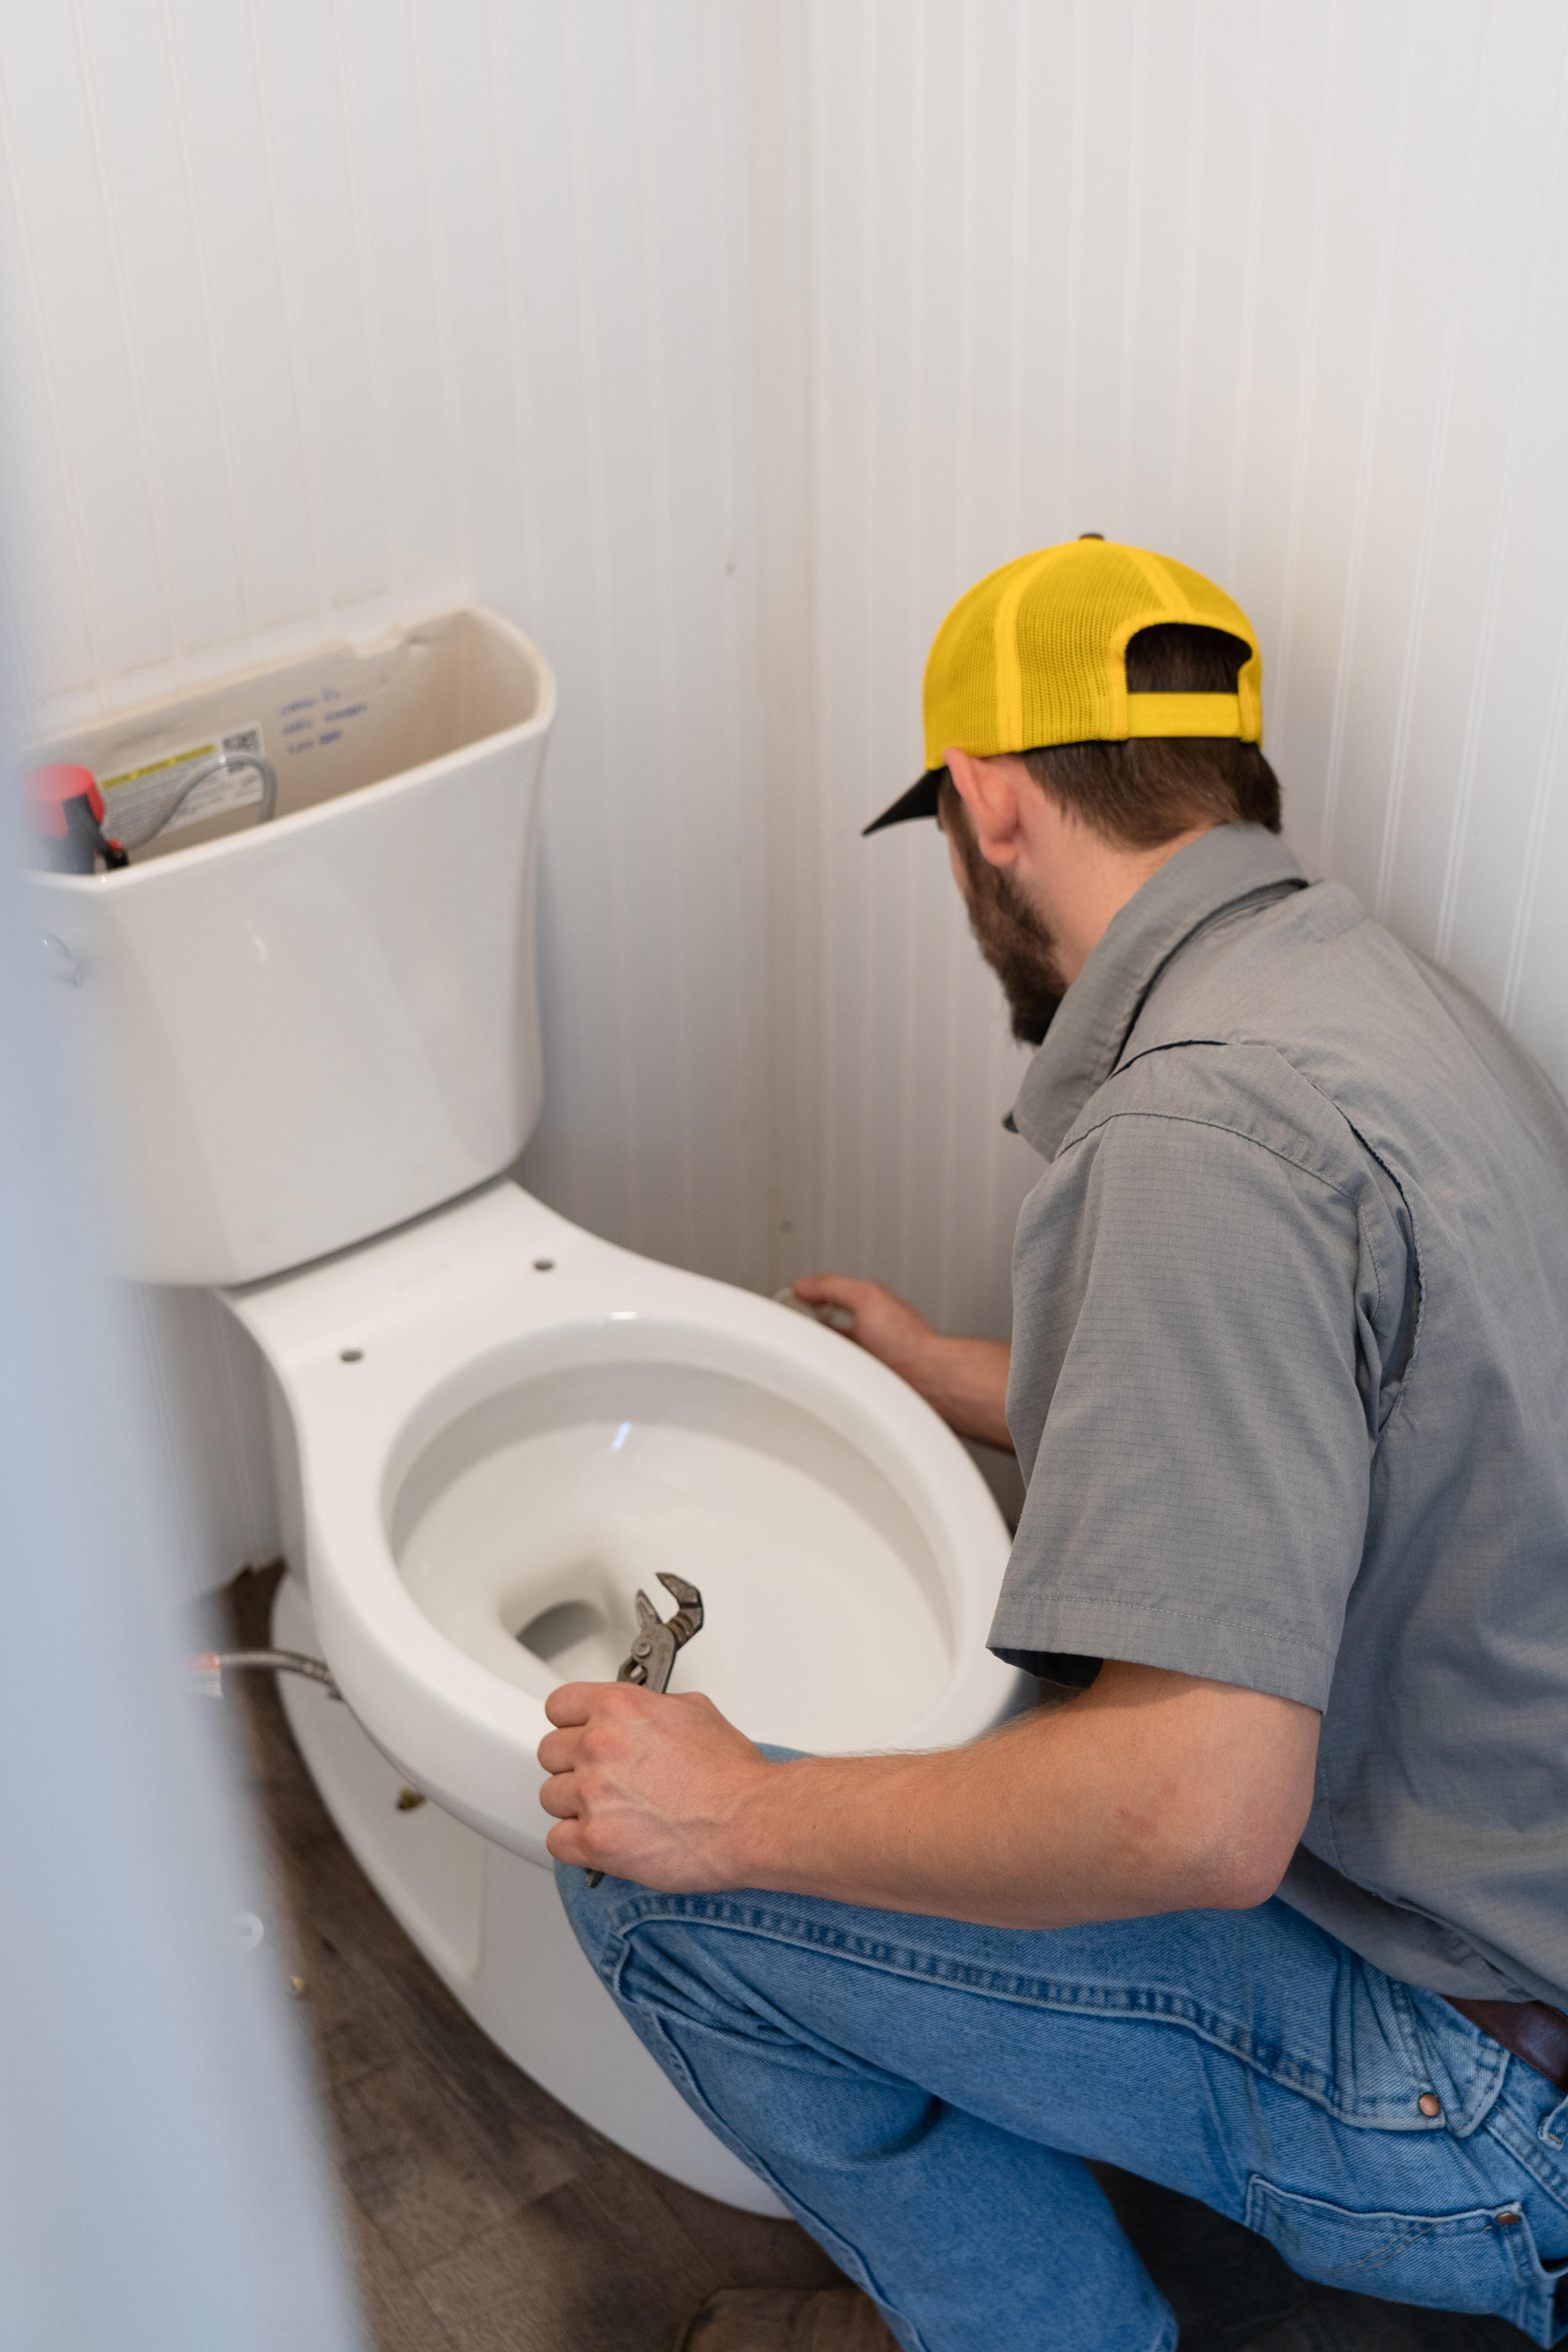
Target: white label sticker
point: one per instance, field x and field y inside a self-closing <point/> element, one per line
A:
<point x="135" y="800"/>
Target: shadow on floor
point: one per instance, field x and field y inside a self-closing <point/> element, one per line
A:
<point x="486" y="2217"/>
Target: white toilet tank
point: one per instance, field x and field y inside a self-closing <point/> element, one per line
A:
<point x="300" y="1034"/>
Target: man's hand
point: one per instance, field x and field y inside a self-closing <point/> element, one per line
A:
<point x="964" y="1379"/>
<point x="1152" y="1792"/>
<point x="648" y="1785"/>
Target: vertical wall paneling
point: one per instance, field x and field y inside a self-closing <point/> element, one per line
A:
<point x="639" y="385"/>
<point x="48" y="615"/>
<point x="721" y="345"/>
<point x="775" y="105"/>
<point x="102" y="487"/>
<point x="1262" y="285"/>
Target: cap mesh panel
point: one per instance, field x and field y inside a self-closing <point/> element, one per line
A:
<point x="1079" y="604"/>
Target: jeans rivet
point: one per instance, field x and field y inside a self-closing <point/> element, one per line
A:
<point x="1430" y="2103"/>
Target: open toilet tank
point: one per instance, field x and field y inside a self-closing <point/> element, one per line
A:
<point x="315" y="1043"/>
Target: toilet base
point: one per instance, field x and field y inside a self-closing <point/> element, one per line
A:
<point x="491" y="1925"/>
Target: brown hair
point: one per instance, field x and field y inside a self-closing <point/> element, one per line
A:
<point x="1147" y="790"/>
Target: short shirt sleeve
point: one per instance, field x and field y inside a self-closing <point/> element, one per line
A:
<point x="1185" y="1405"/>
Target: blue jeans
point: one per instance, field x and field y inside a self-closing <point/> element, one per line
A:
<point x="920" y="2093"/>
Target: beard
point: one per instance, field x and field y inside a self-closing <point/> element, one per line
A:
<point x="1013" y="939"/>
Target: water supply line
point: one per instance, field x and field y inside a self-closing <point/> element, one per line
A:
<point x="209" y="1666"/>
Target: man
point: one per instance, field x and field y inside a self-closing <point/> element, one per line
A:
<point x="1274" y="1909"/>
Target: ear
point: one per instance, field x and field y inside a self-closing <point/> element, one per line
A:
<point x="991" y="790"/>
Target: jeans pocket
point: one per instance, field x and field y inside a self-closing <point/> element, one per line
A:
<point x="1484" y="2260"/>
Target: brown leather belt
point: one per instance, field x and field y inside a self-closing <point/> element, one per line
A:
<point x="1531" y="2030"/>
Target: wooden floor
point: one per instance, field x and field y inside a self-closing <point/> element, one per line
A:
<point x="486" y="2217"/>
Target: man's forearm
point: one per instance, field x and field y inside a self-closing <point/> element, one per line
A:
<point x="1135" y="1799"/>
<point x="1152" y="1792"/>
<point x="966" y="1381"/>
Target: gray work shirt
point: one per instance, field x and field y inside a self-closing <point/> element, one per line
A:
<point x="1290" y="1389"/>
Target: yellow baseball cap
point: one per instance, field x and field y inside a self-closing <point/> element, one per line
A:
<point x="1036" y="654"/>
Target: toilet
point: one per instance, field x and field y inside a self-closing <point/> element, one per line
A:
<point x="313" y="1047"/>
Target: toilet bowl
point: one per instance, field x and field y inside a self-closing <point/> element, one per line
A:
<point x="312" y="1051"/>
<point x="496" y="1427"/>
<point x="505" y="1426"/>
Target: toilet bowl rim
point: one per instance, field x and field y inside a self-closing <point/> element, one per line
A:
<point x="376" y="1349"/>
<point x="442" y="1300"/>
<point x="352" y="1470"/>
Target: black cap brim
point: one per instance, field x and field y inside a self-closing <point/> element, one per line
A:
<point x="921" y="800"/>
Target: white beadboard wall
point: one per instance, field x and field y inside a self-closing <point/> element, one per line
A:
<point x="1276" y="288"/>
<point x="721" y="343"/>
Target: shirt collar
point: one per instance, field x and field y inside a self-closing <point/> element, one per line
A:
<point x="1085" y="1040"/>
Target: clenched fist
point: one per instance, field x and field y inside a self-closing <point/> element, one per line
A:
<point x="649" y="1785"/>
